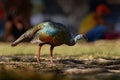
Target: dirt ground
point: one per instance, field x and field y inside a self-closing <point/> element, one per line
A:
<point x="62" y="69"/>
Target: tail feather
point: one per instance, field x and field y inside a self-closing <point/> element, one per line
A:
<point x="19" y="40"/>
<point x="27" y="35"/>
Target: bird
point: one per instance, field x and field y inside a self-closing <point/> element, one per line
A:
<point x="49" y="32"/>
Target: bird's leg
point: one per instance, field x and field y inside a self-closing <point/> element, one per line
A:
<point x="38" y="56"/>
<point x="51" y="54"/>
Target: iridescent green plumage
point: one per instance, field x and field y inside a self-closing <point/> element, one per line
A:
<point x="51" y="33"/>
<point x="48" y="32"/>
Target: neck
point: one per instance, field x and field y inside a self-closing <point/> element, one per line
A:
<point x="78" y="37"/>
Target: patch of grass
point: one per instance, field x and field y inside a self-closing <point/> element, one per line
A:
<point x="82" y="50"/>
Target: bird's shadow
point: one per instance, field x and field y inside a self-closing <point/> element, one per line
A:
<point x="70" y="61"/>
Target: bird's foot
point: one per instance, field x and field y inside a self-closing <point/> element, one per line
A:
<point x="51" y="64"/>
<point x="38" y="61"/>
